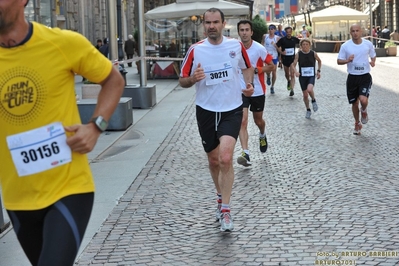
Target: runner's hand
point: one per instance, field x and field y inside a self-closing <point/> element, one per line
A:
<point x="84" y="138"/>
<point x="249" y="90"/>
<point x="199" y="73"/>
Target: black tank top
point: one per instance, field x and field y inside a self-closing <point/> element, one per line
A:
<point x="306" y="60"/>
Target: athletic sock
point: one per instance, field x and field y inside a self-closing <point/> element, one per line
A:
<point x="225" y="207"/>
<point x="219" y="200"/>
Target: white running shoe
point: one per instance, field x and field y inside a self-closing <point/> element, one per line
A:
<point x="308" y="114"/>
<point x="315" y="107"/>
<point x="364" y="116"/>
<point x="226" y="222"/>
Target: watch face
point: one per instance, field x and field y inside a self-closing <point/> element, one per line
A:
<point x="103" y="125"/>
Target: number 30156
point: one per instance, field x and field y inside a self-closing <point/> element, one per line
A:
<point x="40" y="153"/>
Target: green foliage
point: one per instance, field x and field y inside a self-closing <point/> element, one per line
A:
<point x="259" y="28"/>
<point x="136" y="35"/>
<point x="389" y="44"/>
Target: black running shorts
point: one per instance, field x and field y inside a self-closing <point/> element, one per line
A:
<point x="287" y="60"/>
<point x="52" y="236"/>
<point x="358" y="85"/>
<point x="213" y="125"/>
<point x="255" y="104"/>
<point x="305" y="81"/>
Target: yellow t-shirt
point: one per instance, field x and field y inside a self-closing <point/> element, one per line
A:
<point x="37" y="88"/>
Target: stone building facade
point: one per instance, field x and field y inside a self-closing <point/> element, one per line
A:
<point x="89" y="17"/>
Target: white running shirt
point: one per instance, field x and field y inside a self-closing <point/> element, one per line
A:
<point x="360" y="64"/>
<point x="220" y="91"/>
<point x="258" y="56"/>
<point x="269" y="45"/>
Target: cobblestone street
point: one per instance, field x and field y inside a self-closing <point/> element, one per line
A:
<point x="318" y="190"/>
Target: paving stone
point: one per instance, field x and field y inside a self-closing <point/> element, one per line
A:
<point x="318" y="188"/>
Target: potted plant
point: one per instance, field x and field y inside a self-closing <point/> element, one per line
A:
<point x="390" y="48"/>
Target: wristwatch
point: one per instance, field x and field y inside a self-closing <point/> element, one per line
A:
<point x="256" y="70"/>
<point x="100" y="122"/>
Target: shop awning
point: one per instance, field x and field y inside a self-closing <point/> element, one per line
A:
<point x="184" y="8"/>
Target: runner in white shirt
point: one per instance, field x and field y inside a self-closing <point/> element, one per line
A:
<point x="356" y="53"/>
<point x="258" y="56"/>
<point x="269" y="41"/>
<point x="214" y="66"/>
<point x="304" y="32"/>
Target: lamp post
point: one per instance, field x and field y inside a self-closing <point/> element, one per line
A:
<point x="197" y="20"/>
<point x="120" y="42"/>
<point x="310" y="21"/>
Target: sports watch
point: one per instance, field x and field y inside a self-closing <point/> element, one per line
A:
<point x="100" y="122"/>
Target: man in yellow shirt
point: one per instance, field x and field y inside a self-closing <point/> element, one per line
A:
<point x="47" y="185"/>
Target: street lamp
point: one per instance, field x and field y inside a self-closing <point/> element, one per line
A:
<point x="197" y="20"/>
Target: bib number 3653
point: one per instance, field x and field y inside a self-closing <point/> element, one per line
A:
<point x="39" y="149"/>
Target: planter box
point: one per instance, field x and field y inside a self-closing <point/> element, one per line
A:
<point x="326" y="47"/>
<point x="90" y="91"/>
<point x="380" y="52"/>
<point x="391" y="51"/>
<point x="142" y="97"/>
<point x="121" y="119"/>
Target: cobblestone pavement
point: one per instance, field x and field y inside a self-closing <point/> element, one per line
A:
<point x="318" y="193"/>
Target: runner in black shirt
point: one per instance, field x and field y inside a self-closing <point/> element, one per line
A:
<point x="286" y="47"/>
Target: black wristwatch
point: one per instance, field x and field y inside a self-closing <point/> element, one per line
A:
<point x="256" y="70"/>
<point x="100" y="122"/>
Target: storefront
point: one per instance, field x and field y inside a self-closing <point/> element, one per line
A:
<point x="169" y="33"/>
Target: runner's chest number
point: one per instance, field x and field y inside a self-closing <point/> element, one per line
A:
<point x="219" y="75"/>
<point x="41" y="152"/>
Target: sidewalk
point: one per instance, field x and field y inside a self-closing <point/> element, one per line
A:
<point x="318" y="190"/>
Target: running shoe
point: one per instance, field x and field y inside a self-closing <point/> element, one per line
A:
<point x="315" y="107"/>
<point x="358" y="127"/>
<point x="292" y="92"/>
<point x="263" y="144"/>
<point x="244" y="160"/>
<point x="268" y="81"/>
<point x="226" y="222"/>
<point x="218" y="213"/>
<point x="272" y="90"/>
<point x="308" y="114"/>
<point x="365" y="117"/>
<point x="288" y="85"/>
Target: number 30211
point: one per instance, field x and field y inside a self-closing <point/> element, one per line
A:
<point x="218" y="75"/>
<point x="40" y="153"/>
